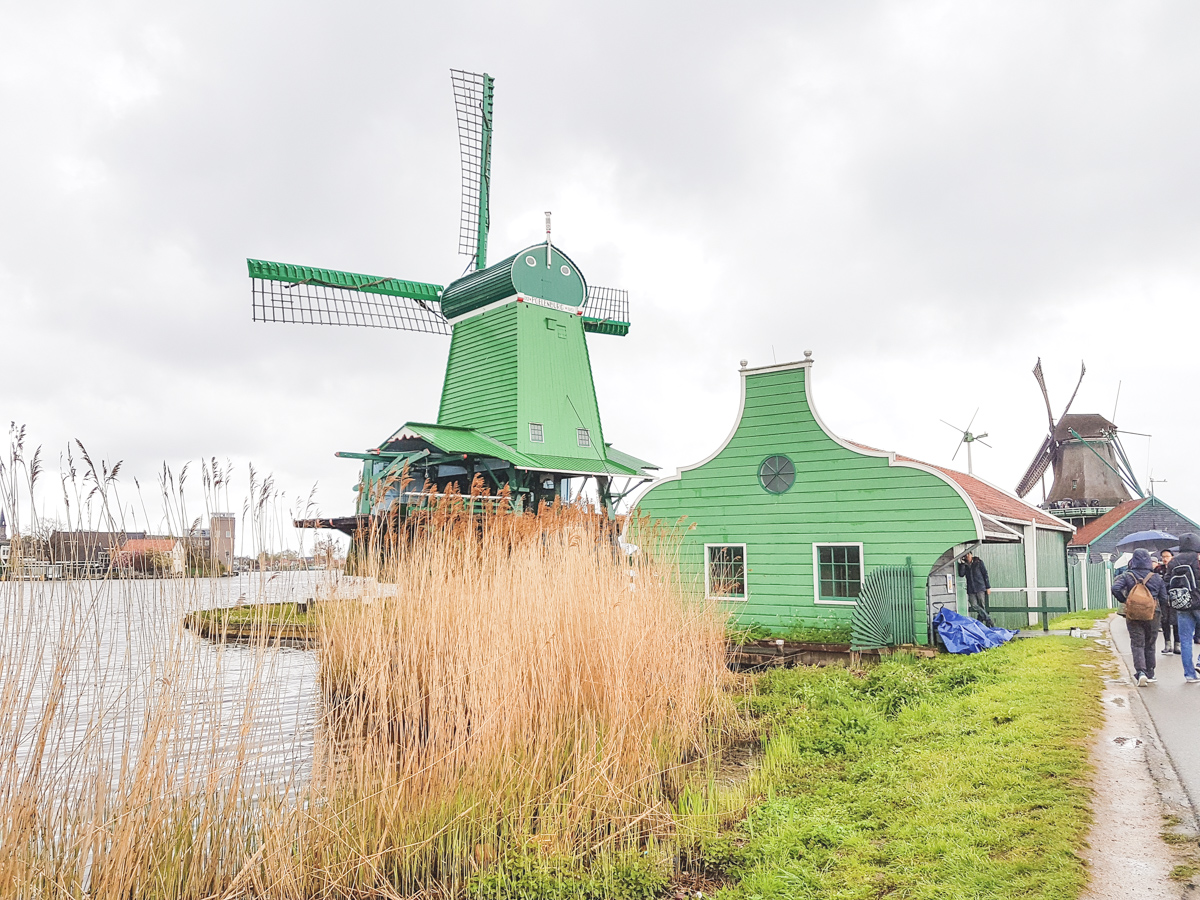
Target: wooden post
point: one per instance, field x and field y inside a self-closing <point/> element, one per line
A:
<point x="1083" y="567"/>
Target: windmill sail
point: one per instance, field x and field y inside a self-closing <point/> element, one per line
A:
<point x="473" y="107"/>
<point x="606" y="311"/>
<point x="1041" y="380"/>
<point x="1037" y="468"/>
<point x="1067" y="409"/>
<point x="306" y="295"/>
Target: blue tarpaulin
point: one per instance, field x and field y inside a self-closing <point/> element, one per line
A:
<point x="962" y="634"/>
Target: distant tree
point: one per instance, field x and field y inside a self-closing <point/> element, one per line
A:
<point x="328" y="553"/>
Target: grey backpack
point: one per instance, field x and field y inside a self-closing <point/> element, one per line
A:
<point x="1181" y="587"/>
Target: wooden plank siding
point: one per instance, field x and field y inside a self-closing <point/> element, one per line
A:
<point x="841" y="494"/>
<point x="480" y="390"/>
<point x="1052" y="558"/>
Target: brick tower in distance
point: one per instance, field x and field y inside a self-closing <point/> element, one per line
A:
<point x="222" y="534"/>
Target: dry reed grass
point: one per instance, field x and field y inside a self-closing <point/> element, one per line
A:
<point x="496" y="688"/>
<point x="520" y="684"/>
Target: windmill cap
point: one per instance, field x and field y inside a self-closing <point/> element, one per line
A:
<point x="526" y="273"/>
<point x="1086" y="425"/>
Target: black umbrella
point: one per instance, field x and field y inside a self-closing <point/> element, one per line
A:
<point x="1148" y="540"/>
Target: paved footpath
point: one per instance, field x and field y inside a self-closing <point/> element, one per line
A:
<point x="1174" y="707"/>
<point x="1135" y="788"/>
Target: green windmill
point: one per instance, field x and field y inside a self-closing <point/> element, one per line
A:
<point x="518" y="404"/>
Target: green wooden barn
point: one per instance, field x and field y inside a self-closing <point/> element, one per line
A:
<point x="786" y="522"/>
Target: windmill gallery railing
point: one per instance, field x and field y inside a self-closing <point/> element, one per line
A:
<point x="883" y="616"/>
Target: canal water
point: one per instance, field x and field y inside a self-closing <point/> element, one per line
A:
<point x="100" y="676"/>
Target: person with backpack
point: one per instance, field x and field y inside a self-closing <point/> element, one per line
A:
<point x="1142" y="596"/>
<point x="1184" y="597"/>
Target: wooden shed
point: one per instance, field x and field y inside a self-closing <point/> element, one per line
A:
<point x="785" y="520"/>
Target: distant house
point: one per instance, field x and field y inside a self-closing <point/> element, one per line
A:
<point x="1099" y="538"/>
<point x="785" y="521"/>
<point x="82" y="552"/>
<point x="165" y="556"/>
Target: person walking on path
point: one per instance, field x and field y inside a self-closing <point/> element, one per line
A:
<point x="1170" y="618"/>
<point x="1184" y="597"/>
<point x="979" y="586"/>
<point x="1143" y="633"/>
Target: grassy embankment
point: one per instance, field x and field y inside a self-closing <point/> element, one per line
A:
<point x="950" y="777"/>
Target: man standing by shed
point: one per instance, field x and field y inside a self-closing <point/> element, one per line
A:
<point x="979" y="586"/>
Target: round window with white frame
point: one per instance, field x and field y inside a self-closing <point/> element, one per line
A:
<point x="530" y="261"/>
<point x="777" y="474"/>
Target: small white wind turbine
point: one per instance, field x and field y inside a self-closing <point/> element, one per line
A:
<point x="966" y="437"/>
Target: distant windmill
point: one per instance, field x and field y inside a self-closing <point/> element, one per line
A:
<point x="1091" y="470"/>
<point x="966" y="437"/>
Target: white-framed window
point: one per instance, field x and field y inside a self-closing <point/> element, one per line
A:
<point x="583" y="437"/>
<point x="837" y="572"/>
<point x="536" y="435"/>
<point x="725" y="571"/>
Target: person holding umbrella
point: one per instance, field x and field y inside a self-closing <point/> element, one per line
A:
<point x="1156" y="541"/>
<point x="1170" y="618"/>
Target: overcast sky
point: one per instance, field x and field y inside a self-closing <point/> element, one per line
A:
<point x="928" y="196"/>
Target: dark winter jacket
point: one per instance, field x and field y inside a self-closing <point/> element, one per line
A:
<point x="1186" y="561"/>
<point x="976" y="575"/>
<point x="1139" y="568"/>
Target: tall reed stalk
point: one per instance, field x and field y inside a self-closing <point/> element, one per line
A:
<point x="495" y="684"/>
<point x="512" y="681"/>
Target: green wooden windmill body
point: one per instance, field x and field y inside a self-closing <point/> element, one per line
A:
<point x="518" y="404"/>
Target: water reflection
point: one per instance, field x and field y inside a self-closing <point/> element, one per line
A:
<point x="100" y="676"/>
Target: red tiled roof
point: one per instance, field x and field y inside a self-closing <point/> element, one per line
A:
<point x="988" y="499"/>
<point x="992" y="501"/>
<point x="1092" y="530"/>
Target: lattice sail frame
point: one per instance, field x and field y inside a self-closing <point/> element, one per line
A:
<point x="304" y="295"/>
<point x="473" y="108"/>
<point x="607" y="304"/>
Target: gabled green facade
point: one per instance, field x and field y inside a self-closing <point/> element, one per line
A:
<point x="892" y="510"/>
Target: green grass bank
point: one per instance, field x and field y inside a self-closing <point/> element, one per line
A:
<point x="918" y="778"/>
<point x="950" y="777"/>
